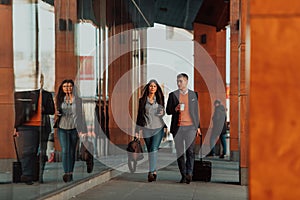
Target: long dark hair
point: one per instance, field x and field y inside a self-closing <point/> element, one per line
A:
<point x="61" y="95"/>
<point x="160" y="99"/>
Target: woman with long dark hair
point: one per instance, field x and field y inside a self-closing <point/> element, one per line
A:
<point x="71" y="124"/>
<point x="150" y="123"/>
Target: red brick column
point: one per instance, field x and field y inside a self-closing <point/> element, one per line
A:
<point x="234" y="79"/>
<point x="243" y="97"/>
<point x="6" y="82"/>
<point x="65" y="59"/>
<point x="215" y="46"/>
<point x="273" y="64"/>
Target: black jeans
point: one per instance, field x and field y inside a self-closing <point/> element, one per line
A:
<point x="184" y="144"/>
<point x="28" y="143"/>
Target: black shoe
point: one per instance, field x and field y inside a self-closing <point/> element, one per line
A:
<point x="154" y="175"/>
<point x="66" y="178"/>
<point x="150" y="177"/>
<point x="182" y="180"/>
<point x="188" y="178"/>
<point x="27" y="180"/>
<point x="210" y="154"/>
<point x="221" y="156"/>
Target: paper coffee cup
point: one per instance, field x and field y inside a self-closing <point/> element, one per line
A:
<point x="181" y="106"/>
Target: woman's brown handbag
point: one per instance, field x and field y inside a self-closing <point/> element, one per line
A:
<point x="86" y="154"/>
<point x="135" y="153"/>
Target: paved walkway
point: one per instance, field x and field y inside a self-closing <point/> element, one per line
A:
<point x="114" y="182"/>
<point x="135" y="186"/>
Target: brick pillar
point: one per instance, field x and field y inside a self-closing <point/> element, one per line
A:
<point x="214" y="46"/>
<point x="209" y="32"/>
<point x="65" y="58"/>
<point x="124" y="37"/>
<point x="274" y="98"/>
<point x="243" y="113"/>
<point x="234" y="79"/>
<point x="6" y="82"/>
<point x="118" y="67"/>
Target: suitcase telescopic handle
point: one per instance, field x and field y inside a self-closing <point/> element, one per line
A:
<point x="201" y="147"/>
<point x="16" y="149"/>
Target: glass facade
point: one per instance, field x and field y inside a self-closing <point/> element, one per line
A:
<point x="51" y="43"/>
<point x="110" y="61"/>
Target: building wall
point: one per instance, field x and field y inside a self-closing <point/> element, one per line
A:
<point x="6" y="82"/>
<point x="234" y="78"/>
<point x="243" y="96"/>
<point x="273" y="64"/>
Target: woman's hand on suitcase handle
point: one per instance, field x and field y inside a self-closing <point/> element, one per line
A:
<point x="16" y="133"/>
<point x="198" y="133"/>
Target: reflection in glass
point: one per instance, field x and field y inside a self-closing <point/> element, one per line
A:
<point x="24" y="37"/>
<point x="34" y="51"/>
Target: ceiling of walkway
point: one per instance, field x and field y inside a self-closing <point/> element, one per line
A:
<point x="144" y="13"/>
<point x="177" y="13"/>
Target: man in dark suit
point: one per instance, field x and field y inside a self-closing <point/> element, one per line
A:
<point x="183" y="106"/>
<point x="32" y="128"/>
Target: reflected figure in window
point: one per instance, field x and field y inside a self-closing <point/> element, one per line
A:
<point x="32" y="128"/>
<point x="70" y="123"/>
<point x="219" y="128"/>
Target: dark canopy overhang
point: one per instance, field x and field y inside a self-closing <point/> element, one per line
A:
<point x="214" y="13"/>
<point x="144" y="13"/>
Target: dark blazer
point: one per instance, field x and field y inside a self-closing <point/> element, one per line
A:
<point x="173" y="101"/>
<point x="219" y="120"/>
<point x="26" y="104"/>
<point x="140" y="119"/>
<point x="80" y="120"/>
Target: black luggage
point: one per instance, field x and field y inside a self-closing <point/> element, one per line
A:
<point x="17" y="168"/>
<point x="202" y="169"/>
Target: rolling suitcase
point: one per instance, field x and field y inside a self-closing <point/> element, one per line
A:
<point x="202" y="169"/>
<point x="17" y="168"/>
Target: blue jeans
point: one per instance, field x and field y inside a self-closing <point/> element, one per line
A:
<point x="184" y="145"/>
<point x="68" y="142"/>
<point x="223" y="142"/>
<point x="213" y="141"/>
<point x="152" y="138"/>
